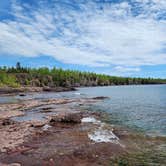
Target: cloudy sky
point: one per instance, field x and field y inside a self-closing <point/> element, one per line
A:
<point x="115" y="37"/>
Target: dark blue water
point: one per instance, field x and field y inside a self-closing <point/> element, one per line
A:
<point x="140" y="107"/>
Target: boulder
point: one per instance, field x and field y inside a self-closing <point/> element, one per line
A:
<point x="68" y="118"/>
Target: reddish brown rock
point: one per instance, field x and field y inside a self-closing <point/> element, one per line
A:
<point x="68" y="118"/>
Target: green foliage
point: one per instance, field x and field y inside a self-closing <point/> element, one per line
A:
<point x="146" y="158"/>
<point x="58" y="77"/>
<point x="8" y="80"/>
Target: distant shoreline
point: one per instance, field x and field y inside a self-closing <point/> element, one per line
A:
<point x="22" y="90"/>
<point x="25" y="89"/>
<point x="20" y="76"/>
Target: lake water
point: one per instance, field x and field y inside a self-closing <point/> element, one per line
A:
<point x="140" y="107"/>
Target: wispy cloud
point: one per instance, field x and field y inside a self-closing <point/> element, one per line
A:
<point x="121" y="69"/>
<point x="126" y="35"/>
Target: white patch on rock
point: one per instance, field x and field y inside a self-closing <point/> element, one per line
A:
<point x="90" y="120"/>
<point x="77" y="93"/>
<point x="46" y="127"/>
<point x="101" y="135"/>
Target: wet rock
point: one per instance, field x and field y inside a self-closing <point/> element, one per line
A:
<point x="22" y="94"/>
<point x="46" y="109"/>
<point x="100" y="97"/>
<point x="68" y="118"/>
<point x="6" y="122"/>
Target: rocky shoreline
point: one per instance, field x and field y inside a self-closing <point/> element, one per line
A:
<point x="62" y="132"/>
<point x="24" y="90"/>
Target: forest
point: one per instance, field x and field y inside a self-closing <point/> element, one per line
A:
<point x="22" y="76"/>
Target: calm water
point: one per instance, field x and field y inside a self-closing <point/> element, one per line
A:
<point x="139" y="107"/>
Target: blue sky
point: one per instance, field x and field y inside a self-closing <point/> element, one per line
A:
<point x="115" y="37"/>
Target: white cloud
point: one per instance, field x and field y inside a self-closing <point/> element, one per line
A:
<point x="114" y="35"/>
<point x="123" y="69"/>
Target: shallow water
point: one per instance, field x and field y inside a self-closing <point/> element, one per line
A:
<point x="8" y="99"/>
<point x="40" y="96"/>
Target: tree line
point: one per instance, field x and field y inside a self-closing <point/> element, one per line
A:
<point x="43" y="76"/>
